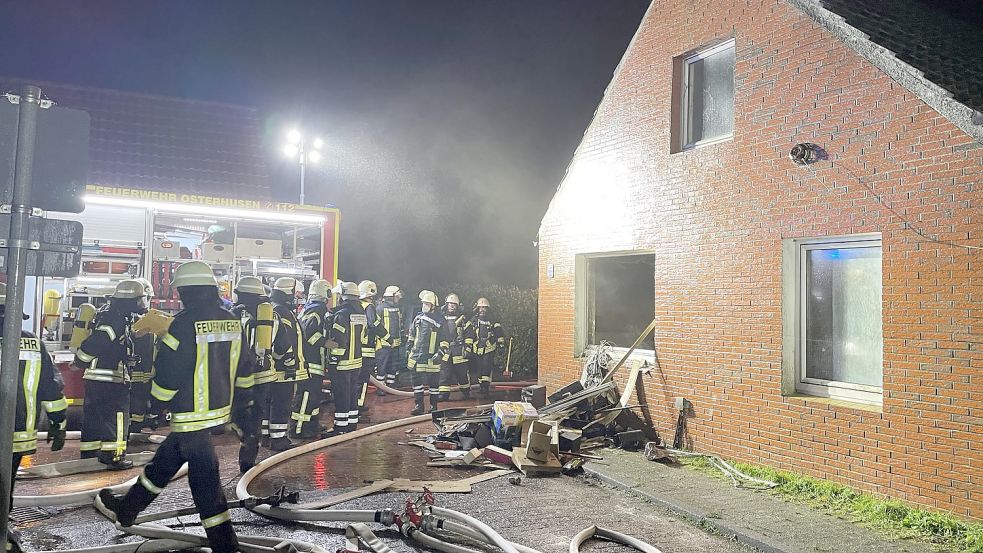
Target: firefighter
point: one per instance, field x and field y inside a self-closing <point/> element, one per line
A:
<point x="201" y="369"/>
<point x="141" y="414"/>
<point x="256" y="315"/>
<point x="378" y="338"/>
<point x="392" y="321"/>
<point x="108" y="357"/>
<point x="288" y="359"/>
<point x="425" y="345"/>
<point x="454" y="361"/>
<point x="487" y="336"/>
<point x="314" y="322"/>
<point x="348" y="336"/>
<point x="39" y="386"/>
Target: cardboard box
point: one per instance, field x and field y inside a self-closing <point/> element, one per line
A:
<point x="530" y="467"/>
<point x="539" y="442"/>
<point x="507" y="414"/>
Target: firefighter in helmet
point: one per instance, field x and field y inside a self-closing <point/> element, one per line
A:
<point x="39" y="386"/>
<point x="108" y="358"/>
<point x="288" y="358"/>
<point x="314" y="322"/>
<point x="425" y="345"/>
<point x="141" y="414"/>
<point x="348" y="336"/>
<point x="378" y="338"/>
<point x="256" y="314"/>
<point x="487" y="337"/>
<point x="392" y="320"/>
<point x="454" y="363"/>
<point x="201" y="370"/>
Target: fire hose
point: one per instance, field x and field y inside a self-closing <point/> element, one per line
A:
<point x="407" y="393"/>
<point x="414" y="524"/>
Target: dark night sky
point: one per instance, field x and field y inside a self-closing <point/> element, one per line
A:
<point x="448" y="124"/>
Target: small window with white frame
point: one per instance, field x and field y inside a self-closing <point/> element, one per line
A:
<point x="839" y="344"/>
<point x="705" y="99"/>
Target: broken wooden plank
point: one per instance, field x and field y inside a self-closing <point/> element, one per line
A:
<point x="372" y="488"/>
<point x="436" y="486"/>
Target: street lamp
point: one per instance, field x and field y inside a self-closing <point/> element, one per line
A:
<point x="297" y="148"/>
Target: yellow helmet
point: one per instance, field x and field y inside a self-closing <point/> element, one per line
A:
<point x="320" y="290"/>
<point x="452" y="298"/>
<point x="367" y="289"/>
<point x="391" y="291"/>
<point x="483" y="302"/>
<point x="427" y="296"/>
<point x="287" y="285"/>
<point x="194" y="273"/>
<point x="129" y="289"/>
<point x="250" y="285"/>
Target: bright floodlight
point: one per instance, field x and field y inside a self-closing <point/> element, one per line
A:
<point x="314" y="156"/>
<point x="290" y="150"/>
<point x="293" y="136"/>
<point x="318" y="143"/>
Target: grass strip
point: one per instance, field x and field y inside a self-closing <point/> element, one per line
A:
<point x="896" y="517"/>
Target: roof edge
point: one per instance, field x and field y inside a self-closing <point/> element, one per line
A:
<point x="604" y="97"/>
<point x="966" y="118"/>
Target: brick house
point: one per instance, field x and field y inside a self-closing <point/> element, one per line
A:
<point x="822" y="317"/>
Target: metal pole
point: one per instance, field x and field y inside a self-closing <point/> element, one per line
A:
<point x="27" y="126"/>
<point x="302" y="154"/>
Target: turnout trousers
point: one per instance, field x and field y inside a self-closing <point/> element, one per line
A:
<point x="11" y="536"/>
<point x="361" y="386"/>
<point x="250" y="422"/>
<point x="343" y="389"/>
<point x="426" y="380"/>
<point x="386" y="359"/>
<point x="281" y="402"/>
<point x="196" y="449"/>
<point x="141" y="412"/>
<point x="483" y="366"/>
<point x="105" y="419"/>
<point x="304" y="419"/>
<point x="452" y="374"/>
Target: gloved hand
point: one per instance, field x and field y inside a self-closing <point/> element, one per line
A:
<point x="56" y="436"/>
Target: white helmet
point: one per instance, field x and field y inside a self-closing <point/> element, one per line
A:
<point x="320" y="290"/>
<point x="193" y="273"/>
<point x="148" y="289"/>
<point x="367" y="289"/>
<point x="349" y="290"/>
<point x="250" y="285"/>
<point x="287" y="285"/>
<point x="452" y="298"/>
<point x="428" y="297"/>
<point x="483" y="302"/>
<point x="129" y="289"/>
<point x="391" y="291"/>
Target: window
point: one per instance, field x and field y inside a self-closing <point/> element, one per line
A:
<point x="705" y="96"/>
<point x="616" y="299"/>
<point x="838" y="340"/>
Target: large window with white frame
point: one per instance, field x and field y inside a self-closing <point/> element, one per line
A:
<point x="838" y="331"/>
<point x="705" y="106"/>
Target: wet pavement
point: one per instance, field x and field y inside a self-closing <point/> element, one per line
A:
<point x="544" y="513"/>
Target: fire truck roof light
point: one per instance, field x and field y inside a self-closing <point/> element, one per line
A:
<point x="207" y="210"/>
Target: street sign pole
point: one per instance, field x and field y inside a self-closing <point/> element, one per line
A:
<point x="17" y="246"/>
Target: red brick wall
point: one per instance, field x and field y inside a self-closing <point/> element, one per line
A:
<point x="715" y="217"/>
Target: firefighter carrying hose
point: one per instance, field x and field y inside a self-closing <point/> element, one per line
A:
<point x="288" y="358"/>
<point x="454" y="363"/>
<point x="487" y="336"/>
<point x="39" y="386"/>
<point x="108" y="357"/>
<point x="425" y="345"/>
<point x="256" y="315"/>
<point x="348" y="336"/>
<point x="392" y="320"/>
<point x="314" y="322"/>
<point x="378" y="338"/>
<point x="201" y="369"/>
<point x="141" y="414"/>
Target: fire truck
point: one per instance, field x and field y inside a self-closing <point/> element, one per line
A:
<point x="141" y="233"/>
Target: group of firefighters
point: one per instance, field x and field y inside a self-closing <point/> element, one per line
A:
<point x="259" y="366"/>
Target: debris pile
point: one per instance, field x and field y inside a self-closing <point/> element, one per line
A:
<point x="541" y="436"/>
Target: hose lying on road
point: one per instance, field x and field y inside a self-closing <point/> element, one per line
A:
<point x="737" y="477"/>
<point x="160" y="538"/>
